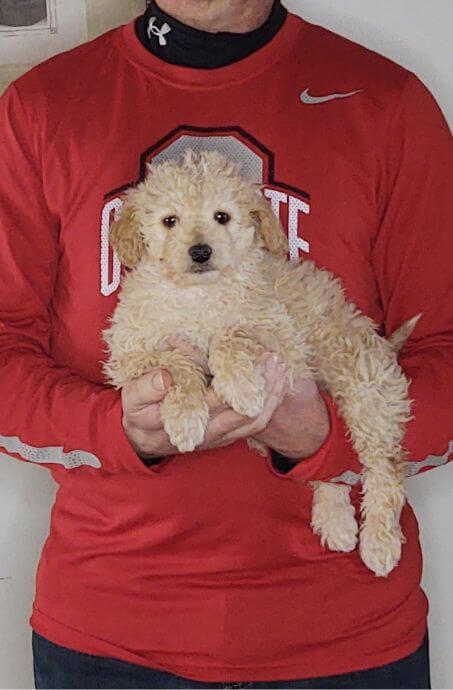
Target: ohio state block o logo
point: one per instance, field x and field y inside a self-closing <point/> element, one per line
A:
<point x="256" y="162"/>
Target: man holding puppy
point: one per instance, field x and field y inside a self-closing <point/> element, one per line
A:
<point x="200" y="569"/>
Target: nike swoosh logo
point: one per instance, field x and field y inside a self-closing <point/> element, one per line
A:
<point x="313" y="100"/>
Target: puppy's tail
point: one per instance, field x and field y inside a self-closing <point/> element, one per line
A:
<point x="399" y="337"/>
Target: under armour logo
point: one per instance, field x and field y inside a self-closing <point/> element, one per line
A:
<point x="160" y="33"/>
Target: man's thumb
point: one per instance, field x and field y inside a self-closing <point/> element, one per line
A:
<point x="151" y="388"/>
<point x="160" y="381"/>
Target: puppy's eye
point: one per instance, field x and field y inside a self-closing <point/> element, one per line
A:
<point x="170" y="221"/>
<point x="222" y="217"/>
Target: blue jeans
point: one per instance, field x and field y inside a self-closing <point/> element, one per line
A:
<point x="59" y="667"/>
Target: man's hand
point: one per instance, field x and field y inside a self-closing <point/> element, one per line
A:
<point x="143" y="424"/>
<point x="227" y="426"/>
<point x="299" y="425"/>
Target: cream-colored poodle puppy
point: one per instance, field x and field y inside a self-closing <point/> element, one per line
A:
<point x="208" y="263"/>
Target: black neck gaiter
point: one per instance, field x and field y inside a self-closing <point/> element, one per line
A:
<point x="183" y="45"/>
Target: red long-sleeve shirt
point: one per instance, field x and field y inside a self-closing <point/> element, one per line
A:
<point x="206" y="565"/>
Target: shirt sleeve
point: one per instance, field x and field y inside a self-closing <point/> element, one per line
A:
<point x="413" y="264"/>
<point x="335" y="461"/>
<point x="412" y="260"/>
<point x="48" y="415"/>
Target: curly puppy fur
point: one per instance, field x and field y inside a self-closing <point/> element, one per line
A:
<point x="241" y="297"/>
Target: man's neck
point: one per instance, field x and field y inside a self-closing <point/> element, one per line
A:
<point x="234" y="16"/>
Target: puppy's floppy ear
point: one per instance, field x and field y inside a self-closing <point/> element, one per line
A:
<point x="126" y="239"/>
<point x="269" y="228"/>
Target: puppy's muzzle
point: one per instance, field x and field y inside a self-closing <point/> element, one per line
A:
<point x="200" y="253"/>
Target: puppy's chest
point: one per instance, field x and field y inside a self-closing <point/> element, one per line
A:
<point x="199" y="314"/>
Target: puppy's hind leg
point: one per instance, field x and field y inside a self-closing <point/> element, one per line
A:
<point x="381" y="537"/>
<point x="333" y="516"/>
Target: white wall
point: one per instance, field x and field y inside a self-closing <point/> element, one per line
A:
<point x="417" y="34"/>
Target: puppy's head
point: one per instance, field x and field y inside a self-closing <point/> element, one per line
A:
<point x="196" y="218"/>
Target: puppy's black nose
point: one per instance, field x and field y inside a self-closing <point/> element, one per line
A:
<point x="200" y="253"/>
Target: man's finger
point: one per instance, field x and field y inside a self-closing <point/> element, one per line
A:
<point x="216" y="406"/>
<point x="220" y="426"/>
<point x="237" y="427"/>
<point x="274" y="398"/>
<point x="161" y="445"/>
<point x="276" y="388"/>
<point x="146" y="390"/>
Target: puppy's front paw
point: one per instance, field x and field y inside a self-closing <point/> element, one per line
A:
<point x="185" y="422"/>
<point x="380" y="550"/>
<point x="242" y="390"/>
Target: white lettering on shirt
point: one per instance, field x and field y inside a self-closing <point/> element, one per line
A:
<point x="110" y="264"/>
<point x="295" y="205"/>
